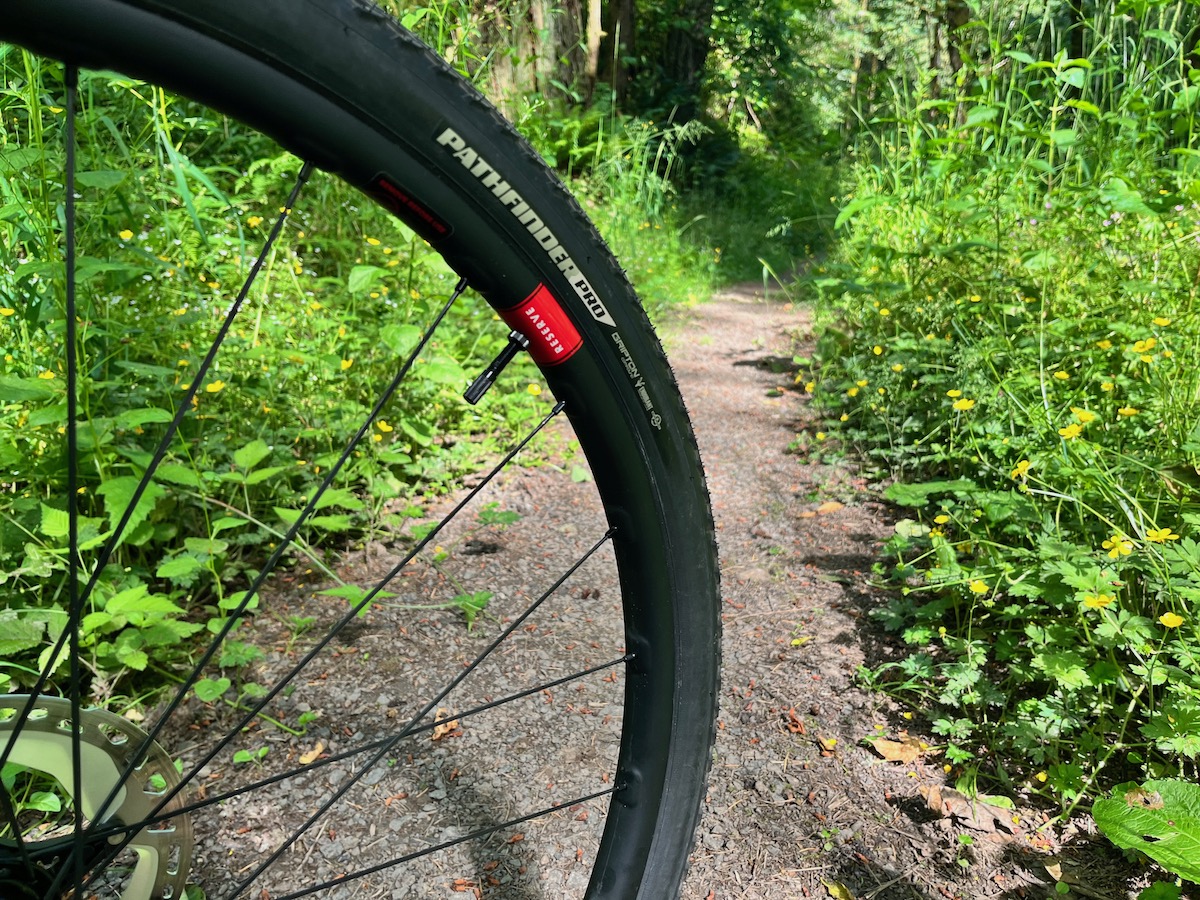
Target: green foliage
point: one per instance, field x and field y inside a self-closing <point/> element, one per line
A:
<point x="1011" y="337"/>
<point x="173" y="207"/>
<point x="1160" y="819"/>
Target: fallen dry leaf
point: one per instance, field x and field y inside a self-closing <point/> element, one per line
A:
<point x="313" y="754"/>
<point x="446" y="727"/>
<point x="829" y="506"/>
<point x="974" y="814"/>
<point x="827" y="744"/>
<point x="837" y="890"/>
<point x="906" y="750"/>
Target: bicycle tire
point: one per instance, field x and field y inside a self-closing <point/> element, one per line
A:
<point x="409" y="132"/>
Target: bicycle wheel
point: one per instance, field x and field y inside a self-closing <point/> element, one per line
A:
<point x="339" y="84"/>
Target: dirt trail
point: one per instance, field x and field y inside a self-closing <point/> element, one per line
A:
<point x="797" y="805"/>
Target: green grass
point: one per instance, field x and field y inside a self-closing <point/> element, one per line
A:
<point x="1011" y="336"/>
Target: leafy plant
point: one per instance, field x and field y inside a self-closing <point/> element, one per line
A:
<point x="1159" y="818"/>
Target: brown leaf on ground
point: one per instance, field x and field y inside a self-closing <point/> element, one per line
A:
<point x="907" y="750"/>
<point x="313" y="754"/>
<point x="973" y="814"/>
<point x="829" y="506"/>
<point x="837" y="890"/>
<point x="446" y="727"/>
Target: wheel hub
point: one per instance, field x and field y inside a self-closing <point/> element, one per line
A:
<point x="155" y="863"/>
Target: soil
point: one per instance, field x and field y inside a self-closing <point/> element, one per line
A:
<point x="798" y="805"/>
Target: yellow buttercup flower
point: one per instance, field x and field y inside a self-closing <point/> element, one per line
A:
<point x="1118" y="545"/>
<point x="964" y="404"/>
<point x="383" y="426"/>
<point x="1128" y="411"/>
<point x="942" y="519"/>
<point x="125" y="235"/>
<point x="978" y="587"/>
<point x="533" y="390"/>
<point x="1145" y="346"/>
<point x="215" y="387"/>
<point x="1107" y="386"/>
<point x="374" y="242"/>
<point x="877" y="350"/>
<point x="1162" y="321"/>
<point x="898" y="367"/>
<point x="885" y="312"/>
<point x="1083" y="415"/>
<point x="1061" y="375"/>
<point x="1097" y="601"/>
<point x="1104" y="345"/>
<point x="1071" y="432"/>
<point x="1020" y="470"/>
<point x="853" y="392"/>
<point x="862" y="382"/>
<point x="1161" y="535"/>
<point x="1171" y="620"/>
<point x="347" y="363"/>
<point x="954" y="393"/>
<point x="7" y="311"/>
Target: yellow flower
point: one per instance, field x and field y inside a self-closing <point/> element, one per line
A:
<point x="182" y="311"/>
<point x="882" y="391"/>
<point x="1021" y="470"/>
<point x="942" y="519"/>
<point x="954" y="393"/>
<point x="964" y="404"/>
<point x="1144" y="346"/>
<point x="341" y="331"/>
<point x="936" y="532"/>
<point x="1071" y="432"/>
<point x="885" y="312"/>
<point x="1104" y="345"/>
<point x="877" y="350"/>
<point x="1042" y="777"/>
<point x="845" y="417"/>
<point x="1162" y="321"/>
<point x="1083" y="415"/>
<point x="1161" y="535"/>
<point x="125" y="235"/>
<point x="374" y="242"/>
<point x="383" y="426"/>
<point x="254" y="221"/>
<point x="1118" y="545"/>
<point x="821" y="435"/>
<point x="377" y="438"/>
<point x="810" y="386"/>
<point x="1107" y="386"/>
<point x="315" y="306"/>
<point x="1171" y="620"/>
<point x="347" y="363"/>
<point x="1128" y="411"/>
<point x="47" y="375"/>
<point x="978" y="587"/>
<point x="7" y="311"/>
<point x="862" y="382"/>
<point x="533" y="390"/>
<point x="898" y="367"/>
<point x="853" y="392"/>
<point x="183" y="362"/>
<point x="975" y="298"/>
<point x="1061" y="375"/>
<point x="1097" y="601"/>
<point x="415" y="294"/>
<point x="215" y="387"/>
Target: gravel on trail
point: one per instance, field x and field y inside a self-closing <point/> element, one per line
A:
<point x="797" y="806"/>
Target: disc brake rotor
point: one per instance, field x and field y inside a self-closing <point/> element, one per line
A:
<point x="160" y="852"/>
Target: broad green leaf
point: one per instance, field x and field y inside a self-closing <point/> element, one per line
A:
<point x="332" y="523"/>
<point x="339" y="497"/>
<point x="363" y="278"/>
<point x="919" y="494"/>
<point x="177" y="474"/>
<point x="258" y="476"/>
<point x="851" y="209"/>
<point x="400" y="339"/>
<point x="101" y="179"/>
<point x="56" y="523"/>
<point x="139" y="600"/>
<point x="252" y="454"/>
<point x="43" y="801"/>
<point x="1064" y="137"/>
<point x="1121" y="197"/>
<point x="18" y="633"/>
<point x="1160" y="819"/>
<point x="118" y="494"/>
<point x="178" y="567"/>
<point x="19" y="390"/>
<point x="205" y="546"/>
<point x="135" y="418"/>
<point x="211" y="689"/>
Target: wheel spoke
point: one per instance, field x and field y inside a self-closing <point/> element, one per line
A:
<point x="445" y="845"/>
